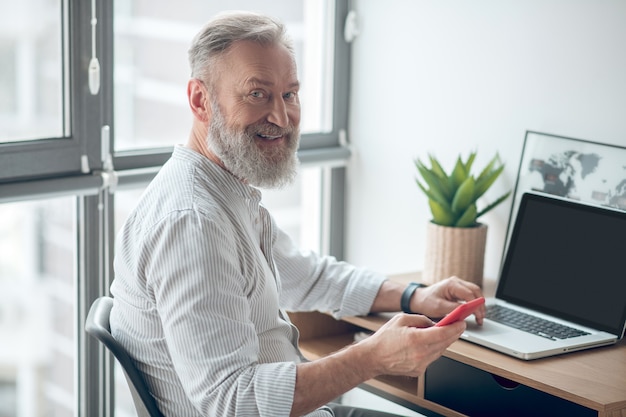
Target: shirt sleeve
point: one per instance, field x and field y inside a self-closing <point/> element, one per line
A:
<point x="206" y="320"/>
<point x="312" y="282"/>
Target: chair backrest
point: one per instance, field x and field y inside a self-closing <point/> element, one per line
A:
<point x="97" y="325"/>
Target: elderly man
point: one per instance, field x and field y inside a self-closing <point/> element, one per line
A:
<point x="203" y="275"/>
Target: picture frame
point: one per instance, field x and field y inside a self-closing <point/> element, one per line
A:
<point x="589" y="172"/>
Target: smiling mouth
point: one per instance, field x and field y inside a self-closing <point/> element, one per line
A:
<point x="269" y="137"/>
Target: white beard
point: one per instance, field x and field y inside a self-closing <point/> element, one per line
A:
<point x="242" y="157"/>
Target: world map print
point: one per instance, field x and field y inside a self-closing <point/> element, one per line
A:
<point x="578" y="170"/>
<point x="565" y="174"/>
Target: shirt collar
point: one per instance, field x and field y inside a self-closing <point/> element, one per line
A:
<point x="217" y="174"/>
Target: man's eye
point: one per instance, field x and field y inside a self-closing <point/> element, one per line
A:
<point x="290" y="96"/>
<point x="257" y="94"/>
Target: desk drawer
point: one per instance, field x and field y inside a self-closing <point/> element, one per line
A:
<point x="474" y="392"/>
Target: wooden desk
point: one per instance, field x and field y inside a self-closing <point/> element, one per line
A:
<point x="591" y="382"/>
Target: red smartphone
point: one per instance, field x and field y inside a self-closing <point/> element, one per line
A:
<point x="461" y="312"/>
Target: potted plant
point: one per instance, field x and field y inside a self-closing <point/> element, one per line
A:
<point x="455" y="238"/>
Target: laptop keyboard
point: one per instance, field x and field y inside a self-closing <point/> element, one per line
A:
<point x="531" y="324"/>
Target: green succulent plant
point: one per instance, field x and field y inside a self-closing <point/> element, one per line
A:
<point x="452" y="198"/>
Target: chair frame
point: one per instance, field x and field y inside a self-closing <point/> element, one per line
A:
<point x="97" y="325"/>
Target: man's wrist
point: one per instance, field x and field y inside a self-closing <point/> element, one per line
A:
<point x="407" y="294"/>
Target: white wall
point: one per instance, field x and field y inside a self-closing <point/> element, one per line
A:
<point x="451" y="76"/>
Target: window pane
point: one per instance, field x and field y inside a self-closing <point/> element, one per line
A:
<point x="31" y="71"/>
<point x="37" y="308"/>
<point x="151" y="69"/>
<point x="298" y="209"/>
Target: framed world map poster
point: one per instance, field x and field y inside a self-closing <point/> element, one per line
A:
<point x="575" y="169"/>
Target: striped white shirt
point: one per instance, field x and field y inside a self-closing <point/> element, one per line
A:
<point x="202" y="280"/>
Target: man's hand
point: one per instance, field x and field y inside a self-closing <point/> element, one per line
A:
<point x="441" y="298"/>
<point x="405" y="345"/>
<point x="408" y="343"/>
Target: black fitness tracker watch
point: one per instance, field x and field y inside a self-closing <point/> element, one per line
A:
<point x="405" y="301"/>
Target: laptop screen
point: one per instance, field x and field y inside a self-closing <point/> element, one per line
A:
<point x="568" y="259"/>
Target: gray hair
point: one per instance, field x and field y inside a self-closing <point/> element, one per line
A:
<point x="226" y="28"/>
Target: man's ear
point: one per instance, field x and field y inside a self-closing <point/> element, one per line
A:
<point x="199" y="102"/>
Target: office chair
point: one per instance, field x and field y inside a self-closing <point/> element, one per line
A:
<point x="97" y="325"/>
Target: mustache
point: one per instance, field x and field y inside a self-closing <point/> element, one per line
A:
<point x="270" y="129"/>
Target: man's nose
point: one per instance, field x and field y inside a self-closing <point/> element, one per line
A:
<point x="278" y="113"/>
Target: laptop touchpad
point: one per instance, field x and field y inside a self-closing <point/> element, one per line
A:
<point x="487" y="329"/>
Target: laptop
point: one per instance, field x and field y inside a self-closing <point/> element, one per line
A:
<point x="565" y="264"/>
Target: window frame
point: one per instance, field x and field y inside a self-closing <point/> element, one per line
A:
<point x="77" y="152"/>
<point x="314" y="147"/>
<point x="73" y="165"/>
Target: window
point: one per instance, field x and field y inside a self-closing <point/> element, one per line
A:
<point x="151" y="69"/>
<point x="74" y="161"/>
<point x="37" y="305"/>
<point x="37" y="135"/>
<point x="31" y="71"/>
